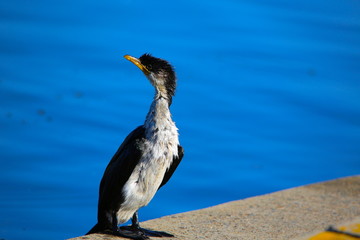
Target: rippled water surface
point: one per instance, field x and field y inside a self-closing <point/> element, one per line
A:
<point x="268" y="98"/>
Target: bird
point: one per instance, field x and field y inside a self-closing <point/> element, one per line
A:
<point x="144" y="162"/>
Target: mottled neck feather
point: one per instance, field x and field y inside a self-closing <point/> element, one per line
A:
<point x="158" y="117"/>
<point x="160" y="130"/>
<point x="163" y="93"/>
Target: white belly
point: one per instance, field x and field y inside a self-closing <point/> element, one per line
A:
<point x="144" y="181"/>
<point x="139" y="190"/>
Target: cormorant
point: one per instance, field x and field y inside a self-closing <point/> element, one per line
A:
<point x="144" y="162"/>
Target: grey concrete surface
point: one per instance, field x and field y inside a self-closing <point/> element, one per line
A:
<point x="288" y="214"/>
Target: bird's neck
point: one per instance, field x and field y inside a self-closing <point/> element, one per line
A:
<point x="162" y="93"/>
<point x="160" y="131"/>
<point x="158" y="118"/>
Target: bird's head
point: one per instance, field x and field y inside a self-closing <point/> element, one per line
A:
<point x="159" y="72"/>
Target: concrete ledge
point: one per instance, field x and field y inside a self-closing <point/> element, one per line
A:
<point x="288" y="214"/>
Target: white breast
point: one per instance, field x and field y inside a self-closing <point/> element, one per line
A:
<point x="161" y="145"/>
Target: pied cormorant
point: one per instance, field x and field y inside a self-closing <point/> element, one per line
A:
<point x="144" y="162"/>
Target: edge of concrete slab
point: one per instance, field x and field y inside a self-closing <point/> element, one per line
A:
<point x="289" y="214"/>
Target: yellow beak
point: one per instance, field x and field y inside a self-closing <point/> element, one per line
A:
<point x="137" y="62"/>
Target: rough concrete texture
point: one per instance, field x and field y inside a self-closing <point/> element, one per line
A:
<point x="288" y="214"/>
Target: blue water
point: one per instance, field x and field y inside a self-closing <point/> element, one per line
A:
<point x="268" y="98"/>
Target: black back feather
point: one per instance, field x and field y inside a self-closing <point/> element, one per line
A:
<point x="117" y="173"/>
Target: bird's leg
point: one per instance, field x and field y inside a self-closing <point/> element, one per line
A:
<point x="136" y="227"/>
<point x="137" y="235"/>
<point x="135" y="220"/>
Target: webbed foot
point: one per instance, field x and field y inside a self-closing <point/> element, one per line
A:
<point x="146" y="232"/>
<point x="128" y="233"/>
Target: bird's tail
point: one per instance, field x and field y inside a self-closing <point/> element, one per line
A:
<point x="96" y="229"/>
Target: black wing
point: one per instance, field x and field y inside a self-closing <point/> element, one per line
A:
<point x="174" y="165"/>
<point x="118" y="172"/>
